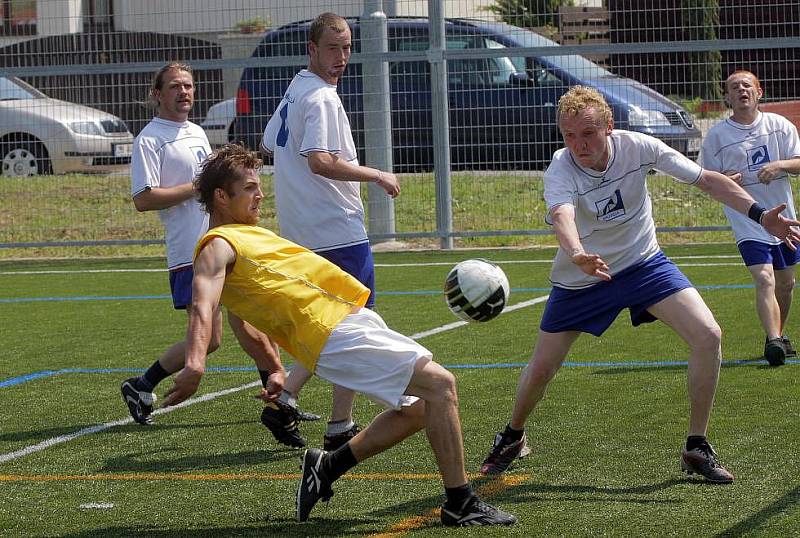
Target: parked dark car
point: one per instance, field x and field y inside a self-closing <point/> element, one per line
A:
<point x="502" y="109"/>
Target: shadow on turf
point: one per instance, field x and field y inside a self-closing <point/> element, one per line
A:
<point x="283" y="527"/>
<point x="784" y="505"/>
<point x="149" y="461"/>
<point x="46" y="433"/>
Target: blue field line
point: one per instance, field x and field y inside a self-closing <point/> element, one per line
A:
<point x="570" y="364"/>
<point x="380" y="293"/>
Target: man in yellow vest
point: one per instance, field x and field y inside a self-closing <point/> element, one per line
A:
<point x="314" y="310"/>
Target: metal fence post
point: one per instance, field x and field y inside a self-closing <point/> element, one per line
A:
<point x="377" y="115"/>
<point x="441" y="123"/>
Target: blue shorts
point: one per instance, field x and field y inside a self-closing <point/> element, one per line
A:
<point x="180" y="283"/>
<point x="758" y="253"/>
<point x="592" y="310"/>
<point x="356" y="260"/>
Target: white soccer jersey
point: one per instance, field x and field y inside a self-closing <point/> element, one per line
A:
<point x="167" y="154"/>
<point x="613" y="211"/>
<point x="732" y="147"/>
<point x="314" y="211"/>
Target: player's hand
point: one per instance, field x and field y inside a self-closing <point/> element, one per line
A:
<point x="185" y="384"/>
<point x="591" y="264"/>
<point x="769" y="172"/>
<point x="781" y="227"/>
<point x="388" y="182"/>
<point x="274" y="387"/>
<point x="734" y="175"/>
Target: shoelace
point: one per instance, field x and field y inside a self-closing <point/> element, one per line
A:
<point x="708" y="450"/>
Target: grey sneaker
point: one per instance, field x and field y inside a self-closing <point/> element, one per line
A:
<point x="307" y="416"/>
<point x="775" y="352"/>
<point x="504" y="453"/>
<point x="475" y="513"/>
<point x="314" y="484"/>
<point x="703" y="461"/>
<point x="140" y="403"/>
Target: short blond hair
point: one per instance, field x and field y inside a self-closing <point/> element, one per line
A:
<point x="579" y="98"/>
<point x="326" y="20"/>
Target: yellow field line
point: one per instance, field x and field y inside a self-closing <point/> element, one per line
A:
<point x="207" y="476"/>
<point x="487" y="489"/>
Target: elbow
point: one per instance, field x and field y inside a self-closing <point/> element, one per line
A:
<point x="139" y="205"/>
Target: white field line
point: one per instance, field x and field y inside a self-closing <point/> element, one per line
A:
<point x="457" y="324"/>
<point x="383" y="265"/>
<point x="47" y="443"/>
<point x="102" y="427"/>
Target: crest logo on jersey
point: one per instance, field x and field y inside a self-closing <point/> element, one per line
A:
<point x="199" y="153"/>
<point x="610" y="208"/>
<point x="757" y="157"/>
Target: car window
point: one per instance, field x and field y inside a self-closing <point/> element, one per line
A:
<point x="460" y="71"/>
<point x="9" y="91"/>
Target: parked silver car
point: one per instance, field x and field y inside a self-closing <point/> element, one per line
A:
<point x="218" y="122"/>
<point x="40" y="135"/>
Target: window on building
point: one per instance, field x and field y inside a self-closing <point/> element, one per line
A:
<point x="98" y="15"/>
<point x="17" y="17"/>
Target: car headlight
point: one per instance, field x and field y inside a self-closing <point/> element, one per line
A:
<point x="639" y="117"/>
<point x="85" y="128"/>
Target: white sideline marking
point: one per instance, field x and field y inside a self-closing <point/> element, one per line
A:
<point x="108" y="425"/>
<point x="457" y="324"/>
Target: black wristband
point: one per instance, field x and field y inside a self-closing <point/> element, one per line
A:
<point x="756" y="211"/>
<point x="264" y="375"/>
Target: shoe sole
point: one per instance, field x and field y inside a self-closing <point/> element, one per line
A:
<point x="685" y="468"/>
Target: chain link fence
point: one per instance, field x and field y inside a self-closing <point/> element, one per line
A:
<point x="457" y="97"/>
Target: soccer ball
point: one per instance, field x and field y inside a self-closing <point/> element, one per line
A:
<point x="476" y="290"/>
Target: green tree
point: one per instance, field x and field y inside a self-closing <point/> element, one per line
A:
<point x="701" y="21"/>
<point x="528" y="13"/>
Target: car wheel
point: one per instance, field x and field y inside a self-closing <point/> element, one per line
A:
<point x="24" y="159"/>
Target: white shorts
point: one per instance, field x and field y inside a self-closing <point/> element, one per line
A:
<point x="364" y="355"/>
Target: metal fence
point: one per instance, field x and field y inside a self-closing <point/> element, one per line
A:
<point x="458" y="97"/>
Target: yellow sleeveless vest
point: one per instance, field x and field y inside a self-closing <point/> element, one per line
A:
<point x="285" y="290"/>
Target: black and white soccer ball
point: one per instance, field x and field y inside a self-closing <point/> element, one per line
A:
<point x="476" y="290"/>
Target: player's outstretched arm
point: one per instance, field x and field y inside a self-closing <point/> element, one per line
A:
<point x="723" y="189"/>
<point x="209" y="278"/>
<point x="563" y="217"/>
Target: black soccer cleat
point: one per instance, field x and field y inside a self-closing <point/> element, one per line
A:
<point x="281" y="419"/>
<point x="775" y="352"/>
<point x="332" y="442"/>
<point x="140" y="403"/>
<point x="475" y="513"/>
<point x="503" y="454"/>
<point x="703" y="461"/>
<point x="314" y="484"/>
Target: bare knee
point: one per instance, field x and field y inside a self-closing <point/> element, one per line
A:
<point x="785" y="285"/>
<point x="442" y="385"/>
<point x="765" y="280"/>
<point x="707" y="338"/>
